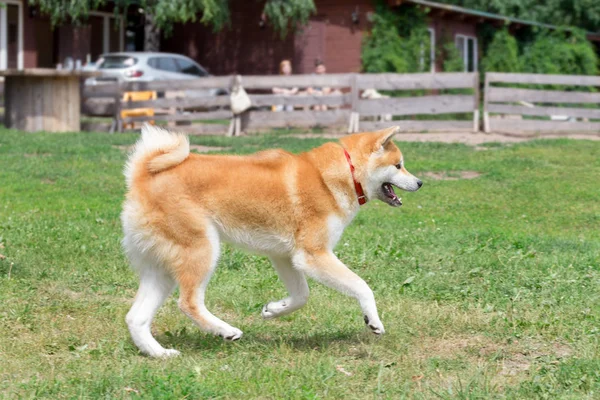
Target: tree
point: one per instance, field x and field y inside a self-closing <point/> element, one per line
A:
<point x="502" y="54"/>
<point x="282" y="15"/>
<point x="555" y="52"/>
<point x="397" y="42"/>
<point x="584" y="14"/>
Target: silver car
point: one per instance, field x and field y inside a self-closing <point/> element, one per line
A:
<point x="149" y="66"/>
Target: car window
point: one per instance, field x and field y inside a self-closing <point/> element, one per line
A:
<point x="115" y="62"/>
<point x="190" y="68"/>
<point x="163" y="63"/>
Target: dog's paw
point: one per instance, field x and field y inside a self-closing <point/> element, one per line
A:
<point x="375" y="326"/>
<point x="273" y="309"/>
<point x="232" y="334"/>
<point x="167" y="353"/>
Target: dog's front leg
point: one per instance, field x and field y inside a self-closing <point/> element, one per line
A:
<point x="325" y="267"/>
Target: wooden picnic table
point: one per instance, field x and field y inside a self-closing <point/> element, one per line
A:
<point x="40" y="99"/>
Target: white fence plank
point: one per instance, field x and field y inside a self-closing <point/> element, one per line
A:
<point x="443" y="104"/>
<point x="537" y="126"/>
<point x="257" y="120"/>
<point x="545" y="111"/>
<point x="543" y="79"/>
<point x="498" y="94"/>
<point x="416" y="81"/>
<point x="419" y="126"/>
<point x="300" y="81"/>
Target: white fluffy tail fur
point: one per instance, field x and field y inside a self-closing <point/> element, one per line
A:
<point x="168" y="149"/>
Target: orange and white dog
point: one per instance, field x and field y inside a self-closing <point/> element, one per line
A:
<point x="291" y="208"/>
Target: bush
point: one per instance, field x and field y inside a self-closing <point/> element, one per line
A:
<point x="560" y="52"/>
<point x="502" y="54"/>
<point x="398" y="42"/>
<point x="453" y="62"/>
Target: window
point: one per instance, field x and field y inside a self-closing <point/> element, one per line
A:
<point x="163" y="63"/>
<point x="467" y="48"/>
<point x="431" y="49"/>
<point x="190" y="68"/>
<point x="11" y="34"/>
<point x="116" y="62"/>
<point x="107" y="34"/>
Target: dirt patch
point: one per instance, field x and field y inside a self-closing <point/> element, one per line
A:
<point x="468" y="138"/>
<point x="48" y="181"/>
<point x="194" y="147"/>
<point x="206" y="149"/>
<point x="451" y="175"/>
<point x="511" y="358"/>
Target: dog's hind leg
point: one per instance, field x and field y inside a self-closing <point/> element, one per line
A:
<point x="193" y="275"/>
<point x="325" y="267"/>
<point x="155" y="287"/>
<point x="295" y="282"/>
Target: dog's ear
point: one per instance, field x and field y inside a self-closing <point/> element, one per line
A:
<point x="384" y="136"/>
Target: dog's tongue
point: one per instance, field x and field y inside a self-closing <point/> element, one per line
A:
<point x="389" y="193"/>
<point x="389" y="190"/>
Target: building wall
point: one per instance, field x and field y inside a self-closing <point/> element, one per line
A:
<point x="342" y="37"/>
<point x="242" y="47"/>
<point x="45" y="46"/>
<point x="446" y="28"/>
<point x="38" y="39"/>
<point x="245" y="48"/>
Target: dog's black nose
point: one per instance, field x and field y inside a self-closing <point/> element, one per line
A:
<point x="420" y="183"/>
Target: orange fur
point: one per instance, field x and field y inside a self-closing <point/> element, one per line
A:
<point x="180" y="205"/>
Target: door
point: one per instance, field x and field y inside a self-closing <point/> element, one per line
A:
<point x="309" y="46"/>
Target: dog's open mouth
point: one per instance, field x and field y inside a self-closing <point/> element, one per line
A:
<point x="390" y="195"/>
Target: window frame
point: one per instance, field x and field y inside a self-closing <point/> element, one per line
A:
<point x="158" y="58"/>
<point x="431" y="31"/>
<point x="202" y="71"/>
<point x="465" y="51"/>
<point x="4" y="34"/>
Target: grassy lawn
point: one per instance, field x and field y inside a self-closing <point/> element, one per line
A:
<point x="487" y="287"/>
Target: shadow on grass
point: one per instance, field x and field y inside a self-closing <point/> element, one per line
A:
<point x="196" y="341"/>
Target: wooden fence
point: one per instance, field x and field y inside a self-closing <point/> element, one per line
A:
<point x="309" y="107"/>
<point x="431" y="102"/>
<point x="344" y="105"/>
<point x="175" y="104"/>
<point x="568" y="109"/>
<point x="334" y="101"/>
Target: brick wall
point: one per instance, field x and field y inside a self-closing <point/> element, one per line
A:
<point x="245" y="48"/>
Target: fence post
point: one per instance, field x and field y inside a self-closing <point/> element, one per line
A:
<point x="477" y="99"/>
<point x="486" y="115"/>
<point x="117" y="124"/>
<point x="353" y="125"/>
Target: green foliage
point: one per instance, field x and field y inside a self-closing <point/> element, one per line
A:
<point x="560" y="52"/>
<point x="584" y="14"/>
<point x="398" y="42"/>
<point x="452" y="61"/>
<point x="502" y="54"/>
<point x="281" y="14"/>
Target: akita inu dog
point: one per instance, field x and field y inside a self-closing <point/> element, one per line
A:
<point x="292" y="208"/>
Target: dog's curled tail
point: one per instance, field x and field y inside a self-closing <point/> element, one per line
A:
<point x="157" y="150"/>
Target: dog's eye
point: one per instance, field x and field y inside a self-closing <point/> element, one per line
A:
<point x="399" y="166"/>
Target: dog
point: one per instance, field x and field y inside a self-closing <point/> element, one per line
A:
<point x="292" y="208"/>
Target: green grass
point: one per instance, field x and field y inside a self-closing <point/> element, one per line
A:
<point x="488" y="288"/>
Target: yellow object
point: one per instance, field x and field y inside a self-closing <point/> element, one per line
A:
<point x="138" y="112"/>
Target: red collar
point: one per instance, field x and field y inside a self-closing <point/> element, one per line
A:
<point x="362" y="199"/>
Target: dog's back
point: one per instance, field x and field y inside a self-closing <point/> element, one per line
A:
<point x="292" y="208"/>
